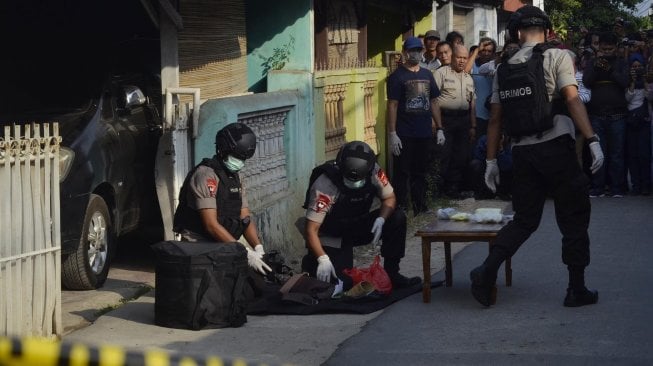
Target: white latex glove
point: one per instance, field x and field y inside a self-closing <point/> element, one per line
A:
<point x="259" y="249"/>
<point x="325" y="268"/>
<point x="597" y="156"/>
<point x="395" y="143"/>
<point x="492" y="174"/>
<point x="377" y="228"/>
<point x="255" y="260"/>
<point x="439" y="137"/>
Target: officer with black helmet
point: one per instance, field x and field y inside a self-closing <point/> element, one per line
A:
<point x="534" y="95"/>
<point x="338" y="216"/>
<point x="212" y="201"/>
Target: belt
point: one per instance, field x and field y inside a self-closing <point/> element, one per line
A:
<point x="455" y="112"/>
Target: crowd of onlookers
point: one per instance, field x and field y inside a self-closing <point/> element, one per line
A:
<point x="614" y="71"/>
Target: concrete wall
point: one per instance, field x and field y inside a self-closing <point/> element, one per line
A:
<point x="275" y="31"/>
<point x="274" y="213"/>
<point x="483" y="18"/>
<point x="281" y="33"/>
<point x="444" y="19"/>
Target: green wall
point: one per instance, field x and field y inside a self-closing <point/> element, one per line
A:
<point x="281" y="33"/>
<point x="277" y="35"/>
<point x="275" y="216"/>
<point x="423" y="25"/>
<point x="383" y="33"/>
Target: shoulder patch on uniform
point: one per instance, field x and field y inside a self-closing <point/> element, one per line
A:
<point x="383" y="178"/>
<point x="212" y="185"/>
<point x="322" y="203"/>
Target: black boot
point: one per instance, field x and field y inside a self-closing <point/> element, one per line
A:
<point x="483" y="285"/>
<point x="391" y="266"/>
<point x="400" y="281"/>
<point x="581" y="297"/>
<point x="577" y="293"/>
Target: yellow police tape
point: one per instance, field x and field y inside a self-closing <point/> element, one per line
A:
<point x="32" y="351"/>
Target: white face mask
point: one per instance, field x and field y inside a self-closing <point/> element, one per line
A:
<point x="353" y="184"/>
<point x="233" y="164"/>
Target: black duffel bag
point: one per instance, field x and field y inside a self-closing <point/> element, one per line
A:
<point x="200" y="285"/>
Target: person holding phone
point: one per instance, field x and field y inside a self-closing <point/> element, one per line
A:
<point x="608" y="79"/>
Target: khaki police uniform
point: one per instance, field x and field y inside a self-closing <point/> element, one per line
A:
<point x="202" y="188"/>
<point x="323" y="196"/>
<point x="546" y="166"/>
<point x="456" y="96"/>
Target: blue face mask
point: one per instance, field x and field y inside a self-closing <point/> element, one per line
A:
<point x="353" y="184"/>
<point x="233" y="164"/>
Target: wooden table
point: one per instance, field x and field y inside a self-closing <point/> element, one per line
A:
<point x="448" y="231"/>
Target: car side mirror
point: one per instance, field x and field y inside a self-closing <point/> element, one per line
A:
<point x="133" y="96"/>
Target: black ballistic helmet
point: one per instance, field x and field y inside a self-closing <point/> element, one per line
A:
<point x="355" y="160"/>
<point x="235" y="139"/>
<point x="527" y="16"/>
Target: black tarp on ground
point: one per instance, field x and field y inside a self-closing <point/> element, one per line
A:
<point x="270" y="303"/>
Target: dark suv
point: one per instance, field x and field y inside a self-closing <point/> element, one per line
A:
<point x="109" y="141"/>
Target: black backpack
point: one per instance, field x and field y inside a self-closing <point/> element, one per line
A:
<point x="526" y="107"/>
<point x="200" y="285"/>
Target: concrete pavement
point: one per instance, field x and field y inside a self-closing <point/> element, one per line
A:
<point x="528" y="324"/>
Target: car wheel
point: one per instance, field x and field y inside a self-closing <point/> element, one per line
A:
<point x="87" y="268"/>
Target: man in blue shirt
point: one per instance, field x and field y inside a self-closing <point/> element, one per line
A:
<point x="483" y="83"/>
<point x="413" y="118"/>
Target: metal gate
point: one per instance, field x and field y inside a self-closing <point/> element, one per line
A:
<point x="30" y="242"/>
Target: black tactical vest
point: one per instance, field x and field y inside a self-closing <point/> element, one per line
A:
<point x="228" y="201"/>
<point x="351" y="206"/>
<point x="525" y="102"/>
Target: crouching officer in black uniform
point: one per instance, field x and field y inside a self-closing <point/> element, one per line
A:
<point x="534" y="95"/>
<point x="338" y="216"/>
<point x="212" y="202"/>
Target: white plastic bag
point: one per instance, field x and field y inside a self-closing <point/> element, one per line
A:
<point x="487" y="216"/>
<point x="446" y="213"/>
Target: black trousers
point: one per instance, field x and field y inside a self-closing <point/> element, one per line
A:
<point x="548" y="168"/>
<point x="393" y="247"/>
<point x="638" y="153"/>
<point x="457" y="150"/>
<point x="410" y="169"/>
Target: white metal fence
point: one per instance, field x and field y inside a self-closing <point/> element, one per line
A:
<point x="30" y="243"/>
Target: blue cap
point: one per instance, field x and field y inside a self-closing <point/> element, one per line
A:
<point x="412" y="42"/>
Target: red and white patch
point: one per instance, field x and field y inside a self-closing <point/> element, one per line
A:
<point x="322" y="203"/>
<point x="212" y="185"/>
<point x="382" y="177"/>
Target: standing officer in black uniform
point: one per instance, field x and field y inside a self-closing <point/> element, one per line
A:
<point x="212" y="202"/>
<point x="338" y="216"/>
<point x="535" y="89"/>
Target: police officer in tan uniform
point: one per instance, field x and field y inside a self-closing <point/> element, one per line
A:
<point x="544" y="159"/>
<point x="339" y="216"/>
<point x="457" y="103"/>
<point x="212" y="201"/>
